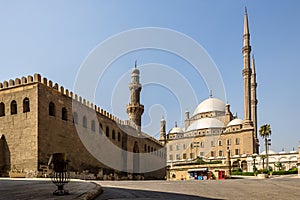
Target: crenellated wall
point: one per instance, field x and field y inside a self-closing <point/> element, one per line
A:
<point x="46" y="134"/>
<point x="37" y="78"/>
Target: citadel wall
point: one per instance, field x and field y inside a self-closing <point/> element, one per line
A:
<point x="52" y="124"/>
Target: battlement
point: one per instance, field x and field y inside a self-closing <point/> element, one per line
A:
<point x="37" y="78"/>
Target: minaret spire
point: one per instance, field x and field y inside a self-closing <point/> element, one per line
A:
<point x="163" y="135"/>
<point x="246" y="50"/>
<point x="254" y="102"/>
<point x="135" y="109"/>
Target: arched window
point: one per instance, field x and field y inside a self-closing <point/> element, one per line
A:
<point x="107" y="131"/>
<point x="145" y="148"/>
<point x="2" y="109"/>
<point x="119" y="136"/>
<point x="84" y="122"/>
<point x="51" y="109"/>
<point x="13" y="107"/>
<point x="100" y="128"/>
<point x="113" y="135"/>
<point x="64" y="114"/>
<point x="93" y="126"/>
<point x="26" y="105"/>
<point x="75" y="118"/>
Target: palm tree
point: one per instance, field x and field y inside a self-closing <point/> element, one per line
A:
<point x="263" y="157"/>
<point x="265" y="132"/>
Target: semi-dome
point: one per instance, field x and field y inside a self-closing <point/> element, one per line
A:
<point x="235" y="122"/>
<point x="209" y="105"/>
<point x="205" y="123"/>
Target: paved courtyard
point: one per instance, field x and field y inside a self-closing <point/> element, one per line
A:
<point x="281" y="187"/>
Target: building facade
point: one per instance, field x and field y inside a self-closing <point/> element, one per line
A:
<point x="212" y="129"/>
<point x="39" y="118"/>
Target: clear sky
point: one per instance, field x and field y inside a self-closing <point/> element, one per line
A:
<point x="55" y="37"/>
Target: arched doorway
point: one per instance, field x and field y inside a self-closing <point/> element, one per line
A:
<point x="136" y="160"/>
<point x="4" y="157"/>
<point x="235" y="165"/>
<point x="244" y="165"/>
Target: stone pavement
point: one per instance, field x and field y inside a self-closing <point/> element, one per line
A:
<point x="277" y="187"/>
<point x="40" y="188"/>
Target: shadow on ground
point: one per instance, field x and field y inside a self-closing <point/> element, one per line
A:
<point x="121" y="193"/>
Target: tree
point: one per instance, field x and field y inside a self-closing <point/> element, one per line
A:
<point x="265" y="132"/>
<point x="279" y="165"/>
<point x="263" y="157"/>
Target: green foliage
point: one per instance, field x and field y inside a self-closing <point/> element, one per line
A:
<point x="265" y="131"/>
<point x="279" y="165"/>
<point x="199" y="161"/>
<point x="243" y="173"/>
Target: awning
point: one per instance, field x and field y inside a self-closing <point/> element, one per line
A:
<point x="198" y="170"/>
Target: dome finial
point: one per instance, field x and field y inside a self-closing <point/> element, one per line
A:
<point x="135" y="63"/>
<point x="210" y="93"/>
<point x="176" y="124"/>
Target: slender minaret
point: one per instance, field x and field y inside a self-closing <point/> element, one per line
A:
<point x="247" y="73"/>
<point x="254" y="101"/>
<point x="163" y="135"/>
<point x="134" y="108"/>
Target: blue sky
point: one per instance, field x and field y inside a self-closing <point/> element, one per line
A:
<point x="55" y="37"/>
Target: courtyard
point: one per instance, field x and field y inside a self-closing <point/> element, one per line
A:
<point x="277" y="187"/>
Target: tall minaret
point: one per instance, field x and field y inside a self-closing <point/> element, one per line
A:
<point x="254" y="102"/>
<point x="247" y="73"/>
<point x="134" y="108"/>
<point x="163" y="135"/>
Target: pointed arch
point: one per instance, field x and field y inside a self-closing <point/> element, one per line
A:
<point x="2" y="109"/>
<point x="84" y="122"/>
<point x="93" y="125"/>
<point x="75" y="118"/>
<point x="13" y="107"/>
<point x="136" y="158"/>
<point x="113" y="135"/>
<point x="107" y="131"/>
<point x="26" y="105"/>
<point x="64" y="114"/>
<point x="52" y="109"/>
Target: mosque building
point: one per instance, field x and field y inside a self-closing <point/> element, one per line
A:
<point x="212" y="129"/>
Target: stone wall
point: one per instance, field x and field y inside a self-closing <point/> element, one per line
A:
<point x="299" y="161"/>
<point x="20" y="129"/>
<point x="33" y="136"/>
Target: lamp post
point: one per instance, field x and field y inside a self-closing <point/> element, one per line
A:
<point x="254" y="159"/>
<point x="267" y="152"/>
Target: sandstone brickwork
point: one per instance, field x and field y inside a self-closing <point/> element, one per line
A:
<point x="51" y="125"/>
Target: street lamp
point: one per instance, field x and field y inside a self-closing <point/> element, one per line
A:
<point x="267" y="154"/>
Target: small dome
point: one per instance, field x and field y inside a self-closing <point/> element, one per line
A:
<point x="209" y="105"/>
<point x="235" y="122"/>
<point x="176" y="130"/>
<point x="135" y="71"/>
<point x="269" y="152"/>
<point x="205" y="123"/>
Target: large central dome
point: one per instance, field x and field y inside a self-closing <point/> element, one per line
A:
<point x="210" y="105"/>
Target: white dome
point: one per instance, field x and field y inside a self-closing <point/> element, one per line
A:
<point x="208" y="105"/>
<point x="205" y="123"/>
<point x="269" y="152"/>
<point x="176" y="130"/>
<point x="235" y="122"/>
